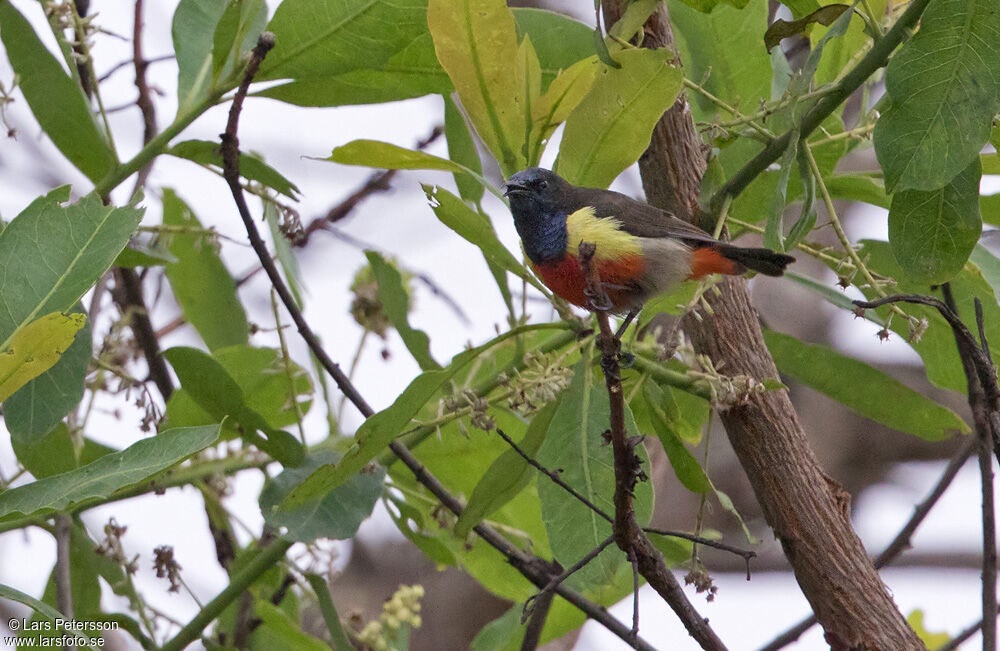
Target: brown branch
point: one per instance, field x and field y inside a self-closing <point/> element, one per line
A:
<point x="535" y="569"/>
<point x="627" y="533"/>
<point x="807" y="510"/>
<point x="144" y="101"/>
<point x="899" y="544"/>
<point x="128" y="296"/>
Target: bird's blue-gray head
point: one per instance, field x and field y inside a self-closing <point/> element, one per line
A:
<point x="538" y="201"/>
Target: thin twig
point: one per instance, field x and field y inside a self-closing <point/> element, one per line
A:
<point x="986" y="438"/>
<point x="954" y="642"/>
<point x="535" y="569"/>
<point x="144" y="101"/>
<point x="535" y="599"/>
<point x="128" y="296"/>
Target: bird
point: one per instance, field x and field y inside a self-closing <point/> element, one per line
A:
<point x="640" y="250"/>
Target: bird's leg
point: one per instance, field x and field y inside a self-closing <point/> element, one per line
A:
<point x="625" y="324"/>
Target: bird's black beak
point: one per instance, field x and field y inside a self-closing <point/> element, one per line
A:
<point x="513" y="188"/>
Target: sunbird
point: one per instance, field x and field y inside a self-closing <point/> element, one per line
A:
<point x="641" y="251"/>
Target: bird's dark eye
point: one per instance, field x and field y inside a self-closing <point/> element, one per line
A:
<point x="542" y="184"/>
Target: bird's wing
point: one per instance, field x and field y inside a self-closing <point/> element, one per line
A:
<point x="639" y="218"/>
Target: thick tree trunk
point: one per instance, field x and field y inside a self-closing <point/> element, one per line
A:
<point x="808" y="511"/>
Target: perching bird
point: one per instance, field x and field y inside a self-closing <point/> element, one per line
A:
<point x="641" y="251"/>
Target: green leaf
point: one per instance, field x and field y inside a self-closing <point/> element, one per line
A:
<point x="505" y="633"/>
<point x="49" y="454"/>
<point x="35" y="348"/>
<point x="462" y="150"/>
<point x="51" y="254"/>
<point x="612" y="125"/>
<point x="54" y="98"/>
<point x="336" y="515"/>
<point x="396" y="303"/>
<point x="476" y="229"/>
<point x="988" y="264"/>
<point x="707" y="6"/>
<point x="858" y="187"/>
<point x="374" y="153"/>
<point x="252" y="168"/>
<point x="839" y="55"/>
<point x="865" y="390"/>
<point x="410" y="522"/>
<point x="48" y="613"/>
<point x="564" y="94"/>
<point x="338" y="637"/>
<point x="263" y="376"/>
<point x="208" y="383"/>
<point x="559" y="41"/>
<point x="506" y="477"/>
<point x="108" y="474"/>
<point x="202" y="285"/>
<point x="318" y="39"/>
<point x="193" y="30"/>
<point x="575" y="444"/>
<point x="781" y="29"/>
<point x="380" y="429"/>
<point x="724" y="52"/>
<point x="932" y="233"/>
<point x="411" y="72"/>
<point x="944" y="90"/>
<point x="279" y="631"/>
<point x="774" y="235"/>
<point x="139" y="255"/>
<point x="236" y="34"/>
<point x="476" y="43"/>
<point x="686" y="467"/>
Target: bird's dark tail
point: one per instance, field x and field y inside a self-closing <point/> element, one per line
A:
<point x="765" y="261"/>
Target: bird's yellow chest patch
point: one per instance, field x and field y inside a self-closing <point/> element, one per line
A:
<point x="612" y="242"/>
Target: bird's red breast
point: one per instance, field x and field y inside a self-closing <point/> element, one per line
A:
<point x="619" y="276"/>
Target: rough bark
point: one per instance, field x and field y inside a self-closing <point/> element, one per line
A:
<point x="807" y="510"/>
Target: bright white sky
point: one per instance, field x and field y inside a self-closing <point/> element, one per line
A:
<point x="400" y="223"/>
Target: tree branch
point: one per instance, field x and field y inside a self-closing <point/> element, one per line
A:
<point x="807" y="510"/>
<point x="899" y="544"/>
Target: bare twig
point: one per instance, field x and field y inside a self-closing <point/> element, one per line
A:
<point x="535" y="569"/>
<point x="537" y="599"/>
<point x="144" y="101"/>
<point x="954" y="642"/>
<point x="627" y="533"/>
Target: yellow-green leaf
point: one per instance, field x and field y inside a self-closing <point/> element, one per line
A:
<point x="476" y="43"/>
<point x="35" y="348"/>
<point x="612" y="126"/>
